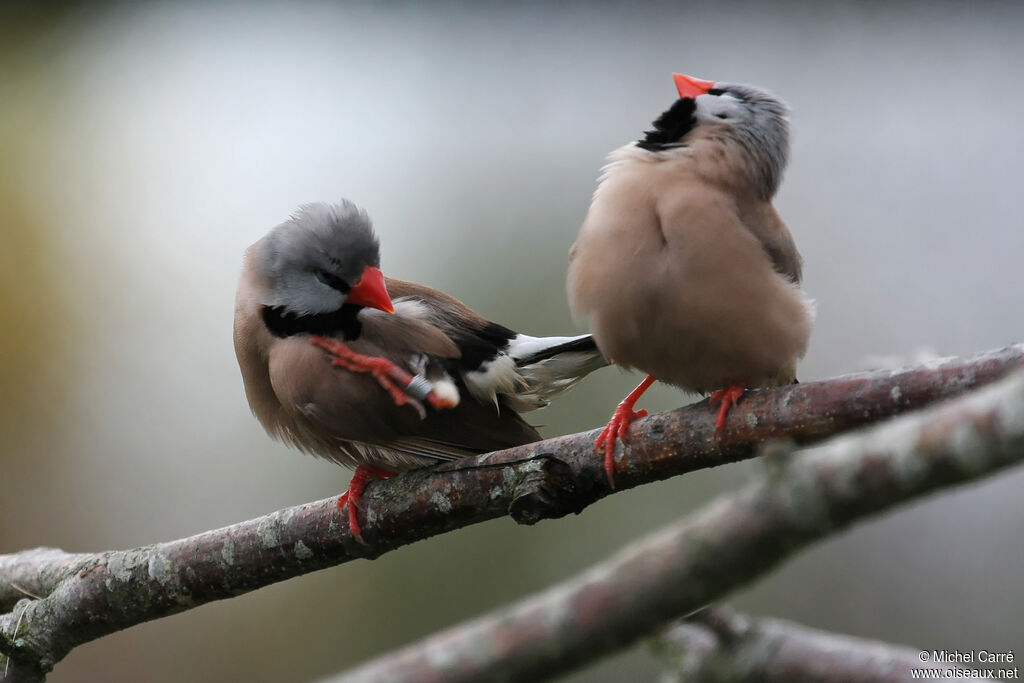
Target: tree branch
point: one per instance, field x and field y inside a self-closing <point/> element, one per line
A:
<point x="86" y="596"/>
<point x="720" y="645"/>
<point x="722" y="546"/>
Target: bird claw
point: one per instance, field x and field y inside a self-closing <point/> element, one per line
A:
<point x="616" y="429"/>
<point x="418" y="406"/>
<point x="418" y="364"/>
<point x="381" y="369"/>
<point x="617" y="426"/>
<point x="728" y="396"/>
<point x="363" y="475"/>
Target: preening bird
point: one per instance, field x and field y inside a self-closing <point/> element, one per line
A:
<point x="376" y="373"/>
<point x="682" y="266"/>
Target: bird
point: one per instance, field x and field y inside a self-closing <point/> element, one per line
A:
<point x="377" y="373"/>
<point x="682" y="267"/>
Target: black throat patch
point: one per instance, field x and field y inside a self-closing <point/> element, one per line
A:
<point x="671" y="126"/>
<point x="282" y="323"/>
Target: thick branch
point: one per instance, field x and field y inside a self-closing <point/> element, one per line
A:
<point x="87" y="596"/>
<point x="720" y="645"/>
<point x="723" y="546"/>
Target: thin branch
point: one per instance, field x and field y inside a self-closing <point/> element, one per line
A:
<point x="22" y="590"/>
<point x="720" y="645"/>
<point x="723" y="546"/>
<point x="86" y="596"/>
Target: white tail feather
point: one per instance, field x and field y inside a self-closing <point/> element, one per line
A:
<point x="531" y="385"/>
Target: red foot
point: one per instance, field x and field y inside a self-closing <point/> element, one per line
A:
<point x="728" y="396"/>
<point x="363" y="475"/>
<point x="617" y="426"/>
<point x="392" y="378"/>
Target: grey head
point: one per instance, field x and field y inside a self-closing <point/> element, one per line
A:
<point x="313" y="259"/>
<point x="754" y="118"/>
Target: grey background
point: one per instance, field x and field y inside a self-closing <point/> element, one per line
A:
<point x="145" y="148"/>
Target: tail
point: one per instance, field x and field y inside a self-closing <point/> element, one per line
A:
<point x="529" y="350"/>
<point x="549" y="366"/>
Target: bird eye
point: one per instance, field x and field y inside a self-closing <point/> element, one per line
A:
<point x="721" y="115"/>
<point x="332" y="281"/>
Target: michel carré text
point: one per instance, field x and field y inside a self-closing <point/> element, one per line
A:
<point x="971" y="656"/>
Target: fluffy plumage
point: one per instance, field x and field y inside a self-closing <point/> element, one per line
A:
<point x="296" y="282"/>
<point x="682" y="266"/>
<point x="332" y="243"/>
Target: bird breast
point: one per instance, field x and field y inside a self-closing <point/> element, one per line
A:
<point x="673" y="283"/>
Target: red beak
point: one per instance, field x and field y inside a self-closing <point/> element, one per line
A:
<point x="370" y="291"/>
<point x="688" y="86"/>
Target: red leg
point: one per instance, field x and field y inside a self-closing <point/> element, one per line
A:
<point x="728" y="396"/>
<point x="391" y="377"/>
<point x="363" y="475"/>
<point x="617" y="426"/>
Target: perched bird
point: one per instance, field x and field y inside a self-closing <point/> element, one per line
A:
<point x="335" y="367"/>
<point x="682" y="265"/>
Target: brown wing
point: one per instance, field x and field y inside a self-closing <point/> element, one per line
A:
<point x="402" y="334"/>
<point x="444" y="304"/>
<point x="462" y="324"/>
<point x="768" y="228"/>
<point x="478" y="339"/>
<point x="332" y="406"/>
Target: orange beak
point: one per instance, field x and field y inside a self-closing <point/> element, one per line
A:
<point x="370" y="291"/>
<point x="688" y="86"/>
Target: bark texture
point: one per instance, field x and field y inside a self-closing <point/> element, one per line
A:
<point x="81" y="597"/>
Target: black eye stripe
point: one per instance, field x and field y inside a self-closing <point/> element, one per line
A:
<point x="333" y="281"/>
<point x="716" y="91"/>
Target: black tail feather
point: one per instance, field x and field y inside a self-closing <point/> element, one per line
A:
<point x="582" y="345"/>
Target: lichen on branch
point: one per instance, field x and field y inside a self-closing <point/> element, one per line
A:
<point x="85" y="596"/>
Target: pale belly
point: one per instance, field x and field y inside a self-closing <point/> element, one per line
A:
<point x="703" y="345"/>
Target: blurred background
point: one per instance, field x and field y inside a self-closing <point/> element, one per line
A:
<point x="145" y="147"/>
